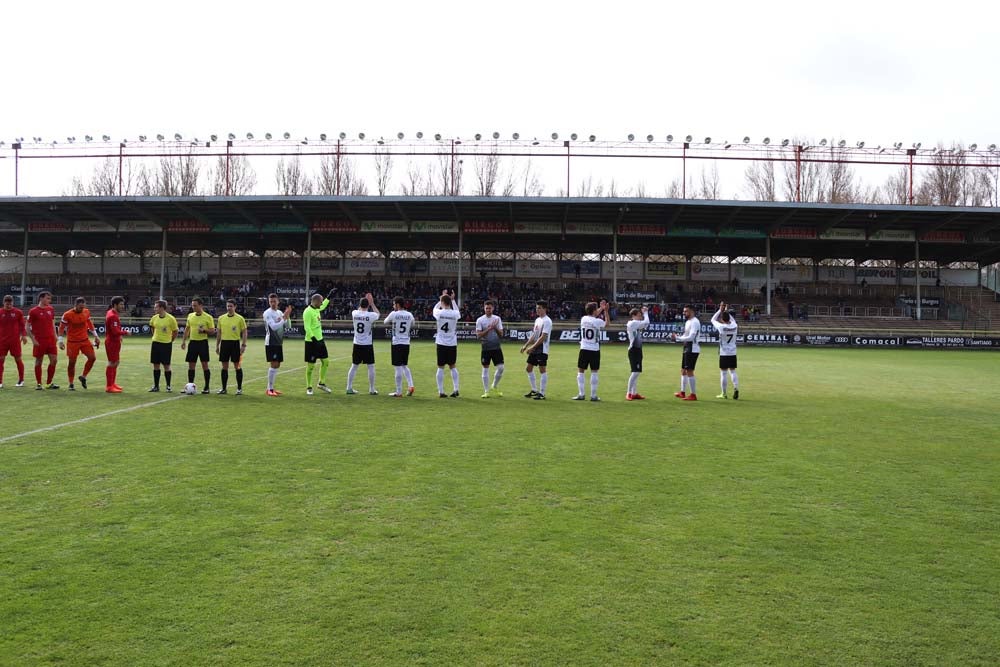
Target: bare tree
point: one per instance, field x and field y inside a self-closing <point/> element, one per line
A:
<point x="673" y="189"/>
<point x="242" y="177"/>
<point x="839" y="183"/>
<point x="806" y="179"/>
<point x="175" y="176"/>
<point x="449" y="174"/>
<point x="104" y="181"/>
<point x="709" y="183"/>
<point x="383" y="168"/>
<point x="339" y="176"/>
<point x="487" y="168"/>
<point x="290" y="178"/>
<point x="640" y="190"/>
<point x="759" y="177"/>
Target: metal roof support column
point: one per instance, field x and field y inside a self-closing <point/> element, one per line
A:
<point x="916" y="271"/>
<point x="458" y="292"/>
<point x="767" y="252"/>
<point x="309" y="248"/>
<point x="24" y="269"/>
<point x="163" y="264"/>
<point x="614" y="266"/>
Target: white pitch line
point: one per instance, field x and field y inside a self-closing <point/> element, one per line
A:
<point x="129" y="409"/>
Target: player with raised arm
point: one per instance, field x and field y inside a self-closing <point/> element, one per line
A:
<point x="42" y="331"/>
<point x="200" y="325"/>
<point x="725" y="323"/>
<point x="489" y="331"/>
<point x="230" y="344"/>
<point x="315" y="346"/>
<point x="689" y="358"/>
<point x="400" y="322"/>
<point x="77" y="327"/>
<point x="591" y="325"/>
<point x="447" y="314"/>
<point x="113" y="334"/>
<point x="163" y="327"/>
<point x="364" y="348"/>
<point x="639" y="321"/>
<point x="537" y="349"/>
<point x="275" y="323"/>
<point x="12" y="336"/>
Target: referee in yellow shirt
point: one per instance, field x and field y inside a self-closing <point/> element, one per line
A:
<point x="230" y="344"/>
<point x="164" y="329"/>
<point x="199" y="326"/>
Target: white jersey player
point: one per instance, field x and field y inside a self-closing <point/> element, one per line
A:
<point x="689" y="359"/>
<point x="447" y="314"/>
<point x="275" y="324"/>
<point x="364" y="349"/>
<point x="725" y="323"/>
<point x="591" y="326"/>
<point x="639" y="321"/>
<point x="537" y="349"/>
<point x="400" y="323"/>
<point x="489" y="331"/>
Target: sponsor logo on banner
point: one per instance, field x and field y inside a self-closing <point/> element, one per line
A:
<point x="435" y="227"/>
<point x="28" y="289"/>
<point x="567" y="268"/>
<point x="843" y="235"/>
<point x="876" y="341"/>
<point x="794" y="233"/>
<point x="385" y="226"/>
<point x="364" y="264"/>
<point x="681" y="230"/>
<point x="893" y="235"/>
<point x="132" y="329"/>
<point x="589" y="228"/>
<point x="836" y="274"/>
<point x="925" y="301"/>
<point x="407" y="265"/>
<point x="189" y="226"/>
<point x="235" y="228"/>
<point x="765" y="339"/>
<point x="47" y="227"/>
<point x="283" y="228"/>
<point x="573" y="335"/>
<point x="709" y="272"/>
<point x="251" y="264"/>
<point x="495" y="265"/>
<point x="9" y="227"/>
<point x="486" y="227"/>
<point x="943" y="236"/>
<point x="792" y="273"/>
<point x="664" y="269"/>
<point x="537" y="228"/>
<point x="635" y="296"/>
<point x="90" y="226"/>
<point x="627" y="270"/>
<point x="324" y="264"/>
<point x="138" y="226"/>
<point x="638" y="229"/>
<point x="334" y="227"/>
<point x="536" y="268"/>
<point x="282" y="264"/>
<point x="741" y="233"/>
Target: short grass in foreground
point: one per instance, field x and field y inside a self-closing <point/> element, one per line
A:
<point x="843" y="512"/>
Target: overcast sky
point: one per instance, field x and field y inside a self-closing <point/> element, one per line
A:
<point x="874" y="71"/>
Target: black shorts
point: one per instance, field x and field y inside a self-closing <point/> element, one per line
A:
<point x="538" y="359"/>
<point x="635" y="359"/>
<point x="197" y="349"/>
<point x="229" y="350"/>
<point x="316" y="349"/>
<point x="159" y="353"/>
<point x="447" y="355"/>
<point x="363" y="354"/>
<point x="589" y="358"/>
<point x="400" y="355"/>
<point x="274" y="353"/>
<point x="727" y="361"/>
<point x="689" y="360"/>
<point x="494" y="356"/>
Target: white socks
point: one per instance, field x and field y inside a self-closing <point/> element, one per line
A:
<point x="371" y="378"/>
<point x="633" y="382"/>
<point x="271" y="374"/>
<point x="399" y="379"/>
<point x="593" y="384"/>
<point x="691" y="384"/>
<point x="409" y="376"/>
<point x="497" y="375"/>
<point x="531" y="379"/>
<point x="454" y="378"/>
<point x="722" y="380"/>
<point x="735" y="379"/>
<point x="486" y="379"/>
<point x="544" y="383"/>
<point x="440" y="380"/>
<point x="351" y="372"/>
<point x="579" y="382"/>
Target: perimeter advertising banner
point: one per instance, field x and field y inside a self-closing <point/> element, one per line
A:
<point x="536" y="268"/>
<point x="568" y="268"/>
<point x="626" y="270"/>
<point x="360" y="266"/>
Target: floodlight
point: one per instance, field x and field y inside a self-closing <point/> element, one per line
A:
<point x="267" y="135"/>
<point x="572" y="137"/>
<point x="688" y="138"/>
<point x="708" y="140"/>
<point x="249" y="136"/>
<point x="746" y="140"/>
<point x="728" y="145"/>
<point x="342" y="136"/>
<point x="973" y="147"/>
<point x="286" y="135"/>
<point x="214" y="137"/>
<point x="841" y="143"/>
<point x="142" y="137"/>
<point x="437" y="137"/>
<point x="478" y="136"/>
<point x="534" y="142"/>
<point x="70" y="139"/>
<point x="381" y="141"/>
<point x="232" y="137"/>
<point x="767" y="141"/>
<point x="861" y="144"/>
<point x="361" y="135"/>
<point x="322" y="136"/>
<point x="399" y="135"/>
<point x="992" y="148"/>
<point x="631" y="137"/>
<point x="104" y="138"/>
<point x="670" y="138"/>
<point x="784" y="142"/>
<point x="420" y="135"/>
<point x="177" y="137"/>
<point x="555" y="135"/>
<point x="917" y="145"/>
<point x="649" y="137"/>
<point x="592" y="138"/>
<point x="89" y="138"/>
<point x="516" y="136"/>
<point x="898" y="145"/>
<point x="822" y="142"/>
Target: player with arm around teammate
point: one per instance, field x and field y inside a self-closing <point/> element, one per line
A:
<point x="77" y="326"/>
<point x="689" y="358"/>
<point x="639" y="321"/>
<point x="537" y="349"/>
<point x="400" y="322"/>
<point x="447" y="315"/>
<point x="364" y="347"/>
<point x="725" y="323"/>
<point x="230" y="344"/>
<point x="489" y="331"/>
<point x="591" y="325"/>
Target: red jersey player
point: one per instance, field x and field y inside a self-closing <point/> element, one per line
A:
<point x="113" y="334"/>
<point x="42" y="330"/>
<point x="12" y="337"/>
<point x="76" y="326"/>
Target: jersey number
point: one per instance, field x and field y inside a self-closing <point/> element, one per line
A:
<point x="361" y="327"/>
<point x="402" y="328"/>
<point x="588" y="334"/>
<point x="444" y="327"/>
<point x="729" y="338"/>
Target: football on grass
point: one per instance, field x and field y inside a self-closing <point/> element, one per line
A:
<point x="190" y="388"/>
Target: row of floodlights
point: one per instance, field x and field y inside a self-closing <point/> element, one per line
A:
<point x="478" y="137"/>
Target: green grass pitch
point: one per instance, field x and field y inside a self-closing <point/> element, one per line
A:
<point x="845" y="511"/>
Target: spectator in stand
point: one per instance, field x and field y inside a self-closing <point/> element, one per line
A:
<point x="791" y="310"/>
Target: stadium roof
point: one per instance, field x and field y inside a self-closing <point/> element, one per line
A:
<point x="535" y="224"/>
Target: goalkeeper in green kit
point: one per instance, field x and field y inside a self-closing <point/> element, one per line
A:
<point x="315" y="345"/>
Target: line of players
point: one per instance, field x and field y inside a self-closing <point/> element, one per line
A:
<point x="75" y="328"/>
